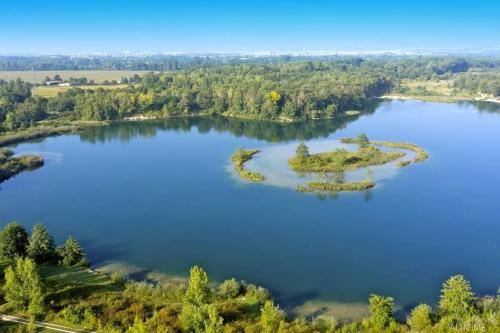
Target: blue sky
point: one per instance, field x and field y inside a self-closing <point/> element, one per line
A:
<point x="73" y="26"/>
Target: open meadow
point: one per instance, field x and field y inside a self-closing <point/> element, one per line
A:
<point x="98" y="75"/>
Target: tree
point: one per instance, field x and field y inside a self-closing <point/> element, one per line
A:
<point x="214" y="323"/>
<point x="230" y="288"/>
<point x="363" y="140"/>
<point x="420" y="317"/>
<point x="381" y="311"/>
<point x="41" y="245"/>
<point x="57" y="77"/>
<point x="23" y="287"/>
<point x="71" y="253"/>
<point x="198" y="291"/>
<point x="194" y="312"/>
<point x="302" y="151"/>
<point x="13" y="241"/>
<point x="270" y="317"/>
<point x="457" y="298"/>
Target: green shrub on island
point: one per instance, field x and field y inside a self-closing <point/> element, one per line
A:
<point x="343" y="160"/>
<point x="363" y="140"/>
<point x="239" y="158"/>
<point x="11" y="166"/>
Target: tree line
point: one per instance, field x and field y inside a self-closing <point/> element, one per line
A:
<point x="287" y="90"/>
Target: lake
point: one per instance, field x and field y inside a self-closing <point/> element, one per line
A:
<point x="156" y="198"/>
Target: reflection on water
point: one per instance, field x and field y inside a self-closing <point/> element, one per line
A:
<point x="262" y="130"/>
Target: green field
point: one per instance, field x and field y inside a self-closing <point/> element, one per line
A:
<point x="52" y="91"/>
<point x="98" y="76"/>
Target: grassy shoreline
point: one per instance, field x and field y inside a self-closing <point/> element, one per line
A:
<point x="239" y="158"/>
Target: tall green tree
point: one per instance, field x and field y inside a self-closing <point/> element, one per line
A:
<point x="363" y="140"/>
<point x="13" y="241"/>
<point x="457" y="298"/>
<point x="214" y="323"/>
<point x="194" y="314"/>
<point x="41" y="246"/>
<point x="71" y="253"/>
<point x="302" y="151"/>
<point x="270" y="317"/>
<point x="23" y="287"/>
<point x="381" y="312"/>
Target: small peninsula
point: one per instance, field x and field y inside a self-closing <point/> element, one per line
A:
<point x="11" y="166"/>
<point x="239" y="158"/>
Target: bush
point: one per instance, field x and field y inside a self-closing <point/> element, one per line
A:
<point x="230" y="288"/>
<point x="420" y="317"/>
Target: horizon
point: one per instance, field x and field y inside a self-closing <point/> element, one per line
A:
<point x="278" y="27"/>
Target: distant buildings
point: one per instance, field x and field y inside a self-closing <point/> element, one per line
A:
<point x="57" y="83"/>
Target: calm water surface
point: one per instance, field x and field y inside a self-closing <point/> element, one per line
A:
<point x="158" y="196"/>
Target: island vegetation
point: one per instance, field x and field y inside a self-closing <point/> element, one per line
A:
<point x="53" y="284"/>
<point x="11" y="166"/>
<point x="362" y="140"/>
<point x="342" y="160"/>
<point x="239" y="158"/>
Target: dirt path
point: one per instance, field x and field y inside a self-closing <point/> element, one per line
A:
<point x="53" y="327"/>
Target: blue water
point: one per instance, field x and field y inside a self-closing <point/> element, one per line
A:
<point x="158" y="195"/>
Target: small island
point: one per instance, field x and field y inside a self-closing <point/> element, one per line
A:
<point x="342" y="160"/>
<point x="239" y="158"/>
<point x="11" y="166"/>
<point x="326" y="170"/>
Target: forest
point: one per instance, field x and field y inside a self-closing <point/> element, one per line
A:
<point x="282" y="91"/>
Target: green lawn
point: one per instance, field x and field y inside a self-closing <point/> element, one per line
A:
<point x="98" y="76"/>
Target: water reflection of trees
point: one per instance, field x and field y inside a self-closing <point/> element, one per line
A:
<point x="262" y="130"/>
<point x="485" y="107"/>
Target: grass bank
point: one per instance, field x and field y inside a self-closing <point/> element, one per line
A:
<point x="239" y="158"/>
